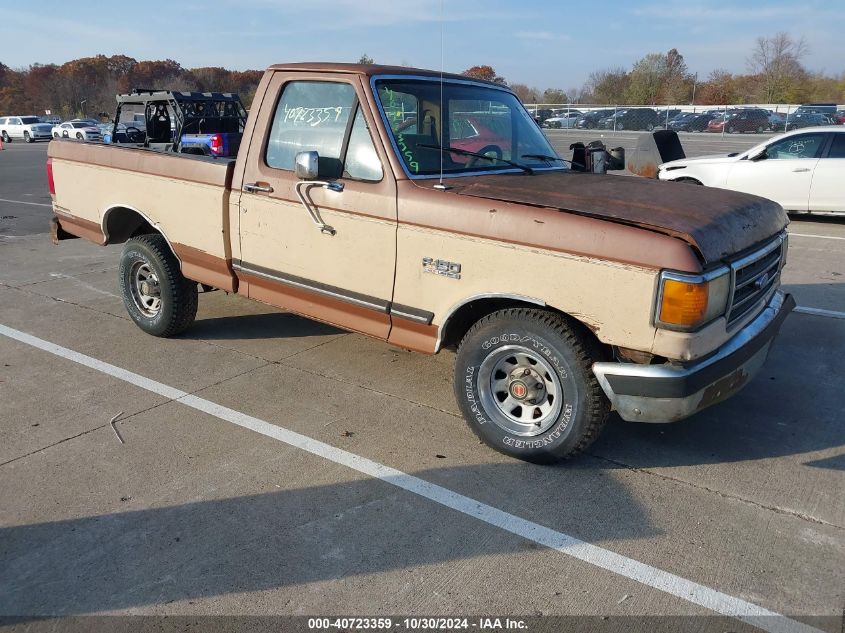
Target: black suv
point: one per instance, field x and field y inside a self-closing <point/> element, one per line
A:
<point x="632" y="119"/>
<point x="590" y="120"/>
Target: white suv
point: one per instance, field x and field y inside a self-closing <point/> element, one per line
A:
<point x="28" y="128"/>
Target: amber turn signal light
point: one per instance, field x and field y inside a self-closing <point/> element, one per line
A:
<point x="683" y="303"/>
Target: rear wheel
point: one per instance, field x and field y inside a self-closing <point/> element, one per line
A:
<point x="731" y="130"/>
<point x="524" y="384"/>
<point x="157" y="297"/>
<point x="55" y="135"/>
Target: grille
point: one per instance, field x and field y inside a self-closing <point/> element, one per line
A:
<point x="754" y="277"/>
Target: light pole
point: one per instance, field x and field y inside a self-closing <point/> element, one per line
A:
<point x="694" y="82"/>
<point x="82" y="108"/>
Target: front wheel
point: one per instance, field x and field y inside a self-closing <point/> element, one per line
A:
<point x="26" y="137"/>
<point x="55" y="135"/>
<point x="79" y="136"/>
<point x="157" y="297"/>
<point x="524" y="384"/>
<point x="6" y="138"/>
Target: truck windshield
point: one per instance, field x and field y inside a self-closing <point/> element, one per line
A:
<point x="478" y="119"/>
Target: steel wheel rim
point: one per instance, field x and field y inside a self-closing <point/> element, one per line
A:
<point x="146" y="291"/>
<point x="535" y="413"/>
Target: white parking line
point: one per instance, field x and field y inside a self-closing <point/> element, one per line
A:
<point x="821" y="237"/>
<point x="34" y="204"/>
<point x="833" y="314"/>
<point x="563" y="543"/>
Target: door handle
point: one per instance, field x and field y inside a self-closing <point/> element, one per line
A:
<point x="797" y="169"/>
<point x="254" y="187"/>
<point x="302" y="193"/>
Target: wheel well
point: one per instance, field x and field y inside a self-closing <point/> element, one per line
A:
<point x="689" y="180"/>
<point x="459" y="323"/>
<point x="122" y="223"/>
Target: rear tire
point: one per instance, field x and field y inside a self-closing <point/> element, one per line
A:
<point x="55" y="135"/>
<point x="525" y="385"/>
<point x="157" y="297"/>
<point x="6" y="138"/>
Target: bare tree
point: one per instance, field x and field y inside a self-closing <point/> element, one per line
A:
<point x="676" y="79"/>
<point x="607" y="86"/>
<point x="526" y="94"/>
<point x="777" y="61"/>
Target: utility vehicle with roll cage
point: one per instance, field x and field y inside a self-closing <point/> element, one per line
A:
<point x="566" y="294"/>
<point x="203" y="123"/>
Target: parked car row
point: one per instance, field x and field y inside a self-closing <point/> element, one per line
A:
<point x="733" y="121"/>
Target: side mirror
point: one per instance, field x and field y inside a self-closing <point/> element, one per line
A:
<point x="307" y="165"/>
<point x="761" y="155"/>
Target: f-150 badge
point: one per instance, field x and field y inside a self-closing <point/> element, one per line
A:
<point x="441" y="267"/>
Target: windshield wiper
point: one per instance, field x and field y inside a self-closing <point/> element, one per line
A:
<point x="550" y="158"/>
<point x="463" y="152"/>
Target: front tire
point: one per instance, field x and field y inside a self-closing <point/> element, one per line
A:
<point x="6" y="138"/>
<point x="26" y="137"/>
<point x="157" y="297"/>
<point x="524" y="383"/>
<point x="79" y="136"/>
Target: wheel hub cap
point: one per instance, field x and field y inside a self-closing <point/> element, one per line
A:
<point x="145" y="289"/>
<point x="520" y="391"/>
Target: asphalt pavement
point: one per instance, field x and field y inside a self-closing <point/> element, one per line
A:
<point x="264" y="464"/>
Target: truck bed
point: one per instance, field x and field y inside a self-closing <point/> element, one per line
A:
<point x="186" y="196"/>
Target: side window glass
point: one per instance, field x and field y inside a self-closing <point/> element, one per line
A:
<point x="837" y="149"/>
<point x="802" y="146"/>
<point x="311" y="115"/>
<point x="401" y="110"/>
<point x="362" y="161"/>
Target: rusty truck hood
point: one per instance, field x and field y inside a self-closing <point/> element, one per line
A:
<point x="716" y="222"/>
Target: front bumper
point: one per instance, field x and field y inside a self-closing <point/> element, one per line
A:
<point x="667" y="393"/>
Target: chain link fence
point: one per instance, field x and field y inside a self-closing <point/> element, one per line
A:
<point x="718" y="119"/>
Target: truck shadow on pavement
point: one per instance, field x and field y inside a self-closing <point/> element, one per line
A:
<point x="254" y="326"/>
<point x="327" y="533"/>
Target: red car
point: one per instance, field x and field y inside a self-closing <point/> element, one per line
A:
<point x="489" y="135"/>
<point x="747" y="120"/>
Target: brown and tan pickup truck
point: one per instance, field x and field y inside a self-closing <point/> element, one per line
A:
<point x="434" y="213"/>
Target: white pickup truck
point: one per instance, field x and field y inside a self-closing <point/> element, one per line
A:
<point x="430" y="211"/>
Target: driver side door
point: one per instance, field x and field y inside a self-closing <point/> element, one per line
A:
<point x="785" y="174"/>
<point x="343" y="276"/>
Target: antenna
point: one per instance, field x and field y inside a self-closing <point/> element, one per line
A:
<point x="440" y="184"/>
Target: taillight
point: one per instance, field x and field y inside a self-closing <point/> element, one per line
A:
<point x="216" y="144"/>
<point x="50" y="182"/>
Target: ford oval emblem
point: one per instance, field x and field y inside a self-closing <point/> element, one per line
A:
<point x="761" y="281"/>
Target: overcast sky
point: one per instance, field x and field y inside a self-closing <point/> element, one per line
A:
<point x="548" y="44"/>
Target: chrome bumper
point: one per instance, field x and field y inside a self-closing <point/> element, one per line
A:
<point x="666" y="393"/>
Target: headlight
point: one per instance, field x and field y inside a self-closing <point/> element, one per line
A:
<point x="686" y="302"/>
